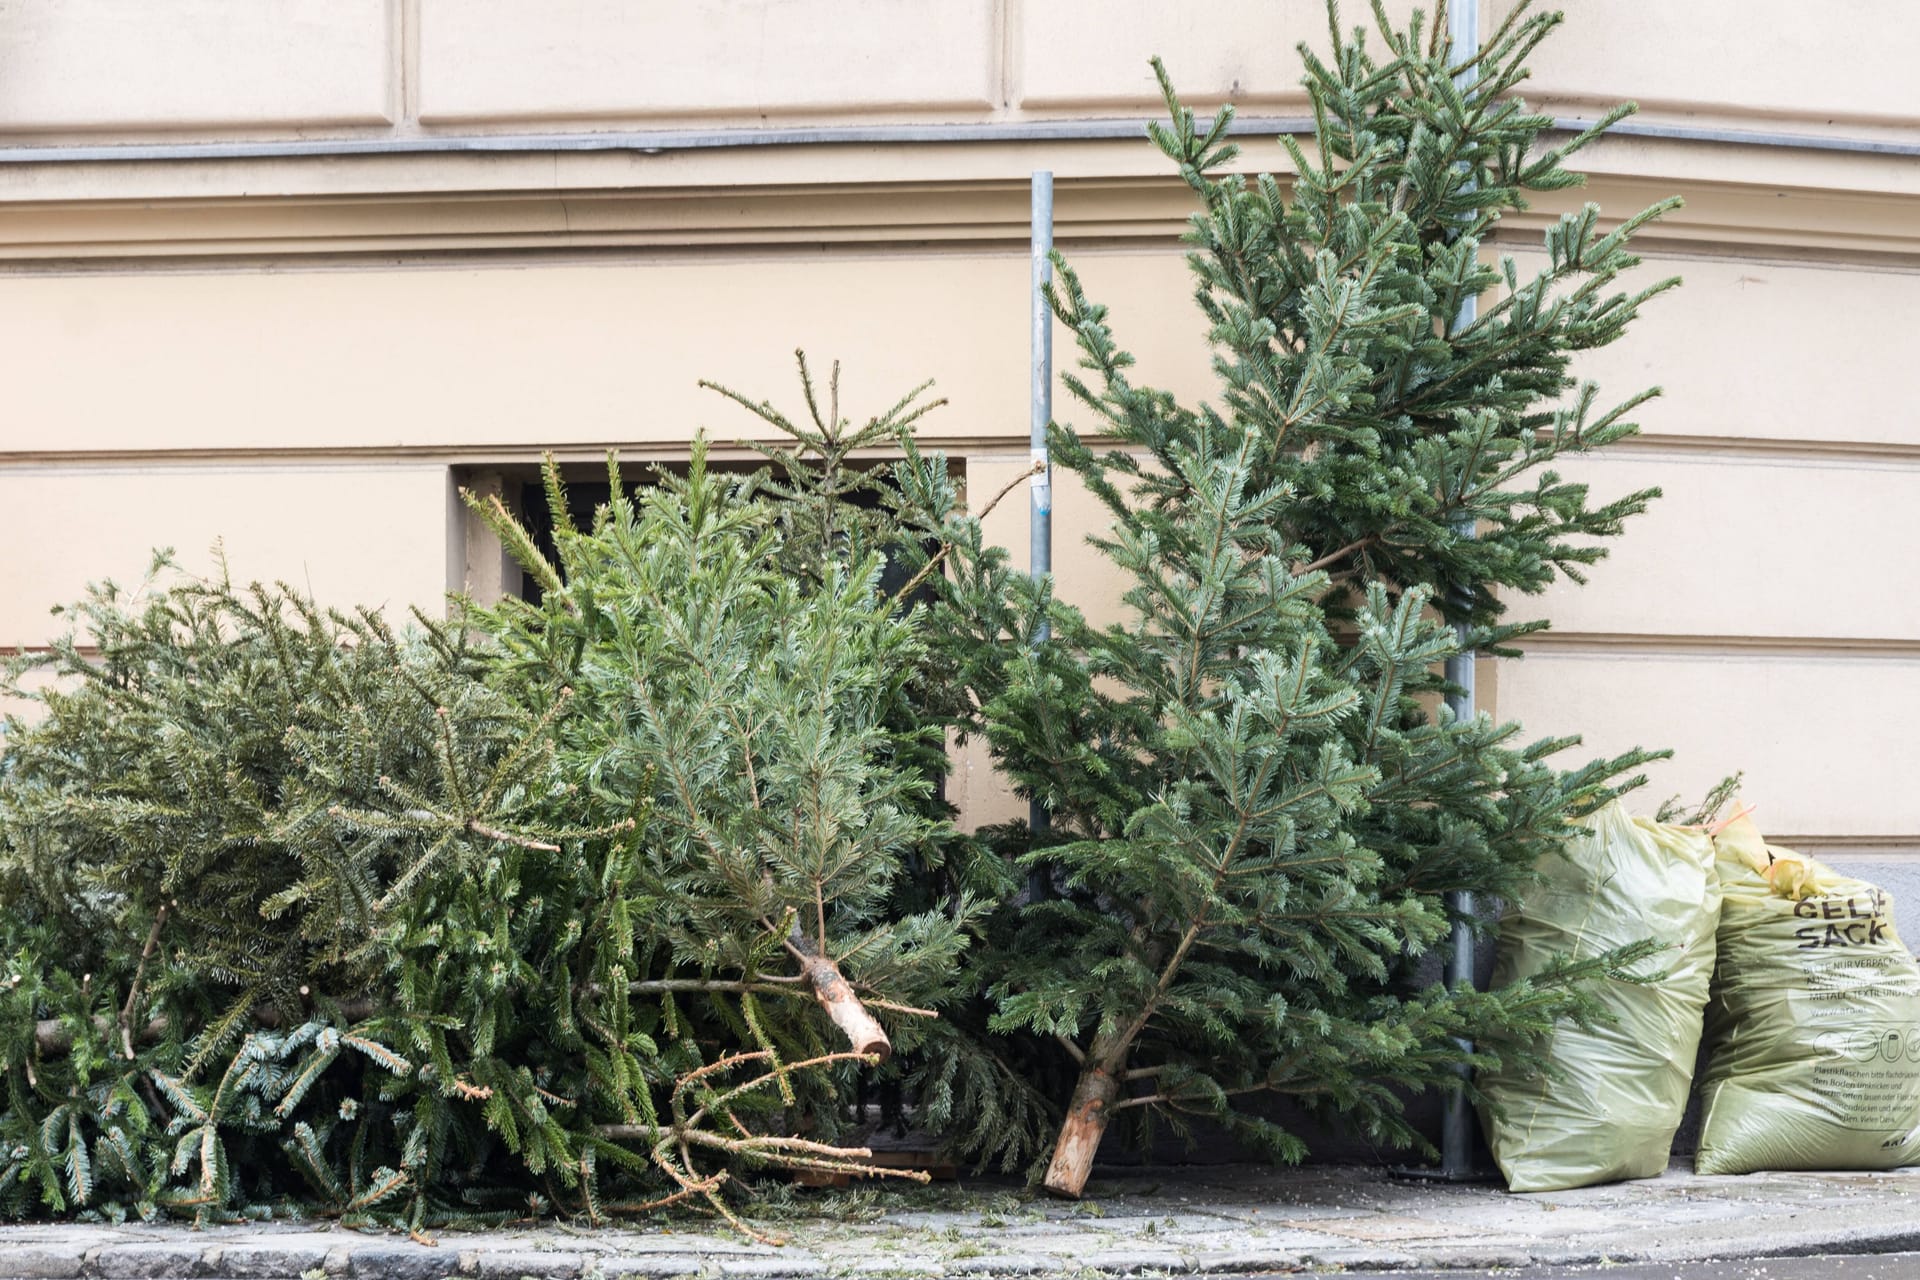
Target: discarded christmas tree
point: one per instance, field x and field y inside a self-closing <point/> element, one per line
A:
<point x="741" y="648"/>
<point x="1256" y="811"/>
<point x="245" y="815"/>
<point x="588" y="905"/>
<point x="750" y="708"/>
<point x="287" y="917"/>
<point x="938" y="575"/>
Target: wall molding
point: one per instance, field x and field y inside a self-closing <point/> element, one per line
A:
<point x="1759" y="451"/>
<point x="1613" y="645"/>
<point x="745" y="208"/>
<point x="976" y="446"/>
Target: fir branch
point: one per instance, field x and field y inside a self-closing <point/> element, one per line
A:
<point x="139" y="973"/>
<point x="934" y="561"/>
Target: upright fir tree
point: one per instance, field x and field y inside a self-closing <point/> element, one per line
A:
<point x="1257" y="811"/>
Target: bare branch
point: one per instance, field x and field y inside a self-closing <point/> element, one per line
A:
<point x="945" y="547"/>
<point x="1334" y="557"/>
<point x="139" y="974"/>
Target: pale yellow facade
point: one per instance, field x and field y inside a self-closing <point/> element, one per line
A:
<point x="352" y="254"/>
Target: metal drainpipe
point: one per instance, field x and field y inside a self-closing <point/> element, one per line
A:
<point x="1040" y="487"/>
<point x="1456" y="1130"/>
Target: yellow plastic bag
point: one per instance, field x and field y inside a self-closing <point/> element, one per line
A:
<point x="1814" y="1025"/>
<point x="1615" y="1097"/>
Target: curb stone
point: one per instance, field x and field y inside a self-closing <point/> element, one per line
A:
<point x="799" y="1265"/>
<point x="266" y="1262"/>
<point x="1572" y="1257"/>
<point x="1216" y="1222"/>
<point x="1358" y="1258"/>
<point x="910" y="1266"/>
<point x="379" y="1261"/>
<point x="146" y="1262"/>
<point x="1126" y="1262"/>
<point x="522" y="1264"/>
<point x="1002" y="1264"/>
<point x="653" y="1267"/>
<point x="1467" y="1257"/>
<point x="22" y="1266"/>
<point x="399" y="1263"/>
<point x="1237" y="1261"/>
<point x="43" y="1264"/>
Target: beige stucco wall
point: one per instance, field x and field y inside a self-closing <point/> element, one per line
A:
<point x="302" y="355"/>
<point x="377" y="534"/>
<point x="106" y="67"/>
<point x="341" y="67"/>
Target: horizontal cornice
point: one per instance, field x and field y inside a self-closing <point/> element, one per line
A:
<point x="46" y="454"/>
<point x="920" y="197"/>
<point x="978" y="447"/>
<point x="1623" y="644"/>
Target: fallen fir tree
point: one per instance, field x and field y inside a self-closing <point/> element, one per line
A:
<point x="1257" y="809"/>
<point x="293" y="923"/>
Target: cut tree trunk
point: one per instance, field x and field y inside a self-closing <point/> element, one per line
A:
<point x="835" y="994"/>
<point x="1087" y="1118"/>
<point x="54" y="1037"/>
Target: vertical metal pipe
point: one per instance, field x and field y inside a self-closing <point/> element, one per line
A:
<point x="1040" y="486"/>
<point x="1456" y="1131"/>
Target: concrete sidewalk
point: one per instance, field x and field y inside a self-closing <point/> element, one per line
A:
<point x="1219" y="1220"/>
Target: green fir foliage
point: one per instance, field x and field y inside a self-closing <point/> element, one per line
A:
<point x="299" y="920"/>
<point x="593" y="903"/>
<point x="759" y="657"/>
<point x="231" y="812"/>
<point x="1258" y="806"/>
<point x="749" y="709"/>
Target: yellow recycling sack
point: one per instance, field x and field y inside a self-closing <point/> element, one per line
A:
<point x="1814" y="1026"/>
<point x="1615" y="1094"/>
